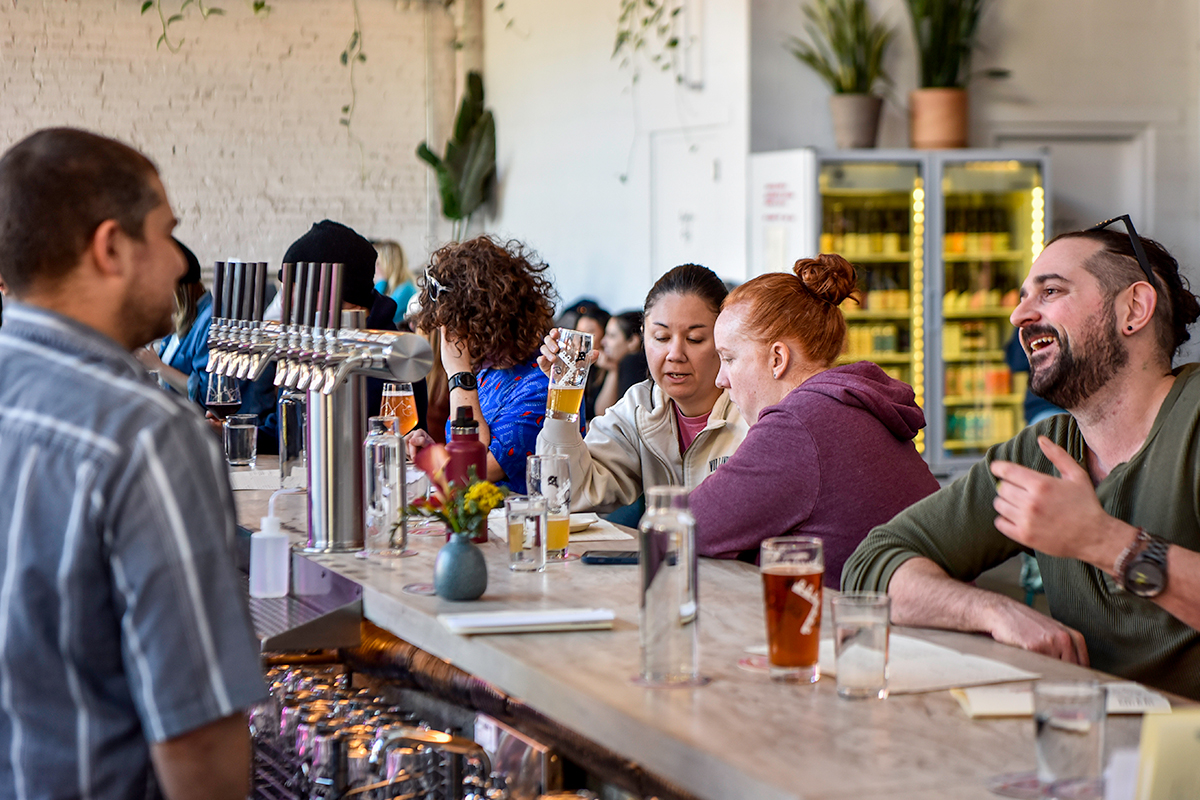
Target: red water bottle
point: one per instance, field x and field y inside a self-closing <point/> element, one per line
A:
<point x="466" y="451"/>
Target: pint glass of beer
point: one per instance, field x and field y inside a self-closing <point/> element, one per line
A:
<point x="792" y="570"/>
<point x="568" y="375"/>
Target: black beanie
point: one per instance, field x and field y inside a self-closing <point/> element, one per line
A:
<point x="335" y="243"/>
<point x="193" y="271"/>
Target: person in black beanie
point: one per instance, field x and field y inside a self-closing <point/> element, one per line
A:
<point x="333" y="242"/>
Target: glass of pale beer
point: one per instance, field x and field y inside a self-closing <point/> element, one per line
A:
<point x="568" y="375"/>
<point x="793" y="568"/>
<point x="549" y="476"/>
<point x="399" y="402"/>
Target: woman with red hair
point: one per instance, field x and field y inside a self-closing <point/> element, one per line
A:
<point x="830" y="450"/>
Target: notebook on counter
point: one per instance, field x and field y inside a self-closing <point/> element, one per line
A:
<point x="532" y="621"/>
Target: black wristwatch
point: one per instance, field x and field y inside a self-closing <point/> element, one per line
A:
<point x="1144" y="571"/>
<point x="463" y="380"/>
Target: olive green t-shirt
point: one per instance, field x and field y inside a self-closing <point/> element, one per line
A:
<point x="1157" y="489"/>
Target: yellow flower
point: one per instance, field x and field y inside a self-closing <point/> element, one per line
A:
<point x="485" y="496"/>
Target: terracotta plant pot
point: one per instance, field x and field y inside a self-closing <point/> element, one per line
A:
<point x="938" y="118"/>
<point x="855" y="119"/>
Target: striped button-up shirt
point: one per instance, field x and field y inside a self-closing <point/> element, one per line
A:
<point x="122" y="618"/>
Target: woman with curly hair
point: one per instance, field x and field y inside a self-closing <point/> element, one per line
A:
<point x="492" y="304"/>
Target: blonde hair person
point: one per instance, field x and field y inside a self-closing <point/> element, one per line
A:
<point x="393" y="277"/>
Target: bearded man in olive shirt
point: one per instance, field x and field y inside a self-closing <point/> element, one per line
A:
<point x="1106" y="498"/>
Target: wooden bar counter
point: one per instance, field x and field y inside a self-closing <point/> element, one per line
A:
<point x="741" y="736"/>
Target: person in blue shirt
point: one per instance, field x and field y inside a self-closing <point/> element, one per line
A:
<point x="492" y="303"/>
<point x="394" y="279"/>
<point x="181" y="358"/>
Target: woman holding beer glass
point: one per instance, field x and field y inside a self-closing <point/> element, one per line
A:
<point x="673" y="429"/>
<point x="492" y="304"/>
<point x="830" y="452"/>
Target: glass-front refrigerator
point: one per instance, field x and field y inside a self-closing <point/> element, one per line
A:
<point x="941" y="241"/>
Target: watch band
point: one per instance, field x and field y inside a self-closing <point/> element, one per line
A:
<point x="463" y="380"/>
<point x="1140" y="538"/>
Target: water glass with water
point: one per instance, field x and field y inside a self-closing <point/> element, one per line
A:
<point x="1069" y="718"/>
<point x="241" y="440"/>
<point x="860" y="623"/>
<point x="525" y="516"/>
<point x="669" y="608"/>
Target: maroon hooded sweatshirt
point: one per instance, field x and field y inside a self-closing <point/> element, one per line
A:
<point x="833" y="459"/>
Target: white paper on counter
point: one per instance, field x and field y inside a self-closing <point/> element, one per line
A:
<point x="533" y="621"/>
<point x="1124" y="697"/>
<point x="916" y="666"/>
<point x="265" y="479"/>
<point x="600" y="531"/>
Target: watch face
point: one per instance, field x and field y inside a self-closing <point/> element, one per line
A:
<point x="1144" y="579"/>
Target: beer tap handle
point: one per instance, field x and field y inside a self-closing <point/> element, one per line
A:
<point x="239" y="281"/>
<point x="218" y="285"/>
<point x="260" y="285"/>
<point x="335" y="296"/>
<point x="308" y="287"/>
<point x="323" y="294"/>
<point x="227" y="296"/>
<point x="248" y="292"/>
<point x="285" y="299"/>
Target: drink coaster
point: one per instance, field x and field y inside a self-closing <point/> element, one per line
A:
<point x="385" y="555"/>
<point x="562" y="559"/>
<point x="756" y="664"/>
<point x="424" y="589"/>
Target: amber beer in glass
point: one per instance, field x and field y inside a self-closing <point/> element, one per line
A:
<point x="568" y="375"/>
<point x="793" y="568"/>
<point x="399" y="402"/>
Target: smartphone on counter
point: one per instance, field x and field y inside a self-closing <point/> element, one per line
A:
<point x="609" y="557"/>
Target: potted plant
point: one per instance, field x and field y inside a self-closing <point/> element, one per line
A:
<point x="945" y="33"/>
<point x="846" y="50"/>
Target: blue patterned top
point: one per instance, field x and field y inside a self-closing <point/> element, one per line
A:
<point x="513" y="402"/>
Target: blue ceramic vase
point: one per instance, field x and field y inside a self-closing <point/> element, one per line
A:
<point x="460" y="572"/>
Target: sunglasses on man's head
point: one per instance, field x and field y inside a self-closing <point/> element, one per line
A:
<point x="1138" y="251"/>
<point x="436" y="289"/>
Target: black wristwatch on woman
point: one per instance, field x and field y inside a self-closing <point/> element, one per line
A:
<point x="463" y="380"/>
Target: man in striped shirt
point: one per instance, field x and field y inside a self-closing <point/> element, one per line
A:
<point x="126" y="651"/>
<point x="1105" y="497"/>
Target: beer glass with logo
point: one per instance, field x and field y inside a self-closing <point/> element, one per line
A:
<point x="550" y="477"/>
<point x="793" y="568"/>
<point x="568" y="375"/>
<point x="399" y="402"/>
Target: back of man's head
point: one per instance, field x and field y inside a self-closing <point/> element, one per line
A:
<point x="1116" y="267"/>
<point x="56" y="187"/>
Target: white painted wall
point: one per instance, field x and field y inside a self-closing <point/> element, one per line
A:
<point x="1087" y="68"/>
<point x="243" y="120"/>
<point x="569" y="127"/>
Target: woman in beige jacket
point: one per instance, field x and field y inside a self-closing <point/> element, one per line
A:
<point x="671" y="430"/>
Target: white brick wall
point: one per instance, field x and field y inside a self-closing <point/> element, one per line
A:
<point x="243" y="120"/>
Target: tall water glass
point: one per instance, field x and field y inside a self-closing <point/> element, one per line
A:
<point x="1069" y="719"/>
<point x="669" y="611"/>
<point x="860" y="631"/>
<point x="568" y="375"/>
<point x="241" y="440"/>
<point x="550" y="477"/>
<point x="382" y="462"/>
<point x="526" y="520"/>
<point x="793" y="568"/>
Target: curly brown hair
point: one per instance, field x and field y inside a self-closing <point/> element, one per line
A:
<point x="494" y="297"/>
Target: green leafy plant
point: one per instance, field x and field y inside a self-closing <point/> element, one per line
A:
<point x="648" y="28"/>
<point x="945" y="31"/>
<point x="466" y="170"/>
<point x="847" y="46"/>
<point x="167" y="21"/>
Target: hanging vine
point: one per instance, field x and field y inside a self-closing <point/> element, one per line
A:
<point x="649" y="29"/>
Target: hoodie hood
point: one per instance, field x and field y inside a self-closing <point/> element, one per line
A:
<point x="864" y="385"/>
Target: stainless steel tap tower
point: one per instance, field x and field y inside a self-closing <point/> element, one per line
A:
<point x="315" y="353"/>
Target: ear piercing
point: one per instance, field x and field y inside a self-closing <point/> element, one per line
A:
<point x="1129" y="328"/>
